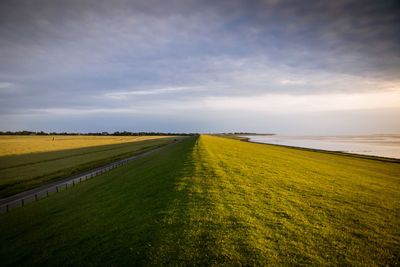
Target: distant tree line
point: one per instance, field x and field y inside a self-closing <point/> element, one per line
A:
<point x="124" y="133"/>
<point x="242" y="133"/>
<point x="245" y="133"/>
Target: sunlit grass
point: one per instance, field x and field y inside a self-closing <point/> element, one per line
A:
<point x="24" y="144"/>
<point x="22" y="171"/>
<point x="217" y="201"/>
<point x="257" y="204"/>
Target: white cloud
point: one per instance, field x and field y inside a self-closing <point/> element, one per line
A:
<point x="83" y="111"/>
<point x="269" y="104"/>
<point x="285" y="103"/>
<point x="125" y="94"/>
<point x="6" y="85"/>
<point x="292" y="82"/>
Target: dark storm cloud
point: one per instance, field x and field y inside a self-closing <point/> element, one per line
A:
<point x="368" y="29"/>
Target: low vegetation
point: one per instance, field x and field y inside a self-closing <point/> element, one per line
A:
<point x="217" y="201"/>
<point x="18" y="145"/>
<point x="30" y="161"/>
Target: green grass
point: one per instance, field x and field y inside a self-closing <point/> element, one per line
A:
<point x="20" y="172"/>
<point x="24" y="144"/>
<point x="218" y="201"/>
<point x="234" y="137"/>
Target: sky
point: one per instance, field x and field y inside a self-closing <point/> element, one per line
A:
<point x="286" y="67"/>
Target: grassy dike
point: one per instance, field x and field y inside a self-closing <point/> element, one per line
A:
<point x="213" y="200"/>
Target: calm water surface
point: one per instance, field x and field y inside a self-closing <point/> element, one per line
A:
<point x="374" y="145"/>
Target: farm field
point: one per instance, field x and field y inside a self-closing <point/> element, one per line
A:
<point x="217" y="201"/>
<point x="30" y="161"/>
<point x="25" y="144"/>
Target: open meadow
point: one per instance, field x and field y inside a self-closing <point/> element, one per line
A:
<point x="30" y="161"/>
<point x="217" y="201"/>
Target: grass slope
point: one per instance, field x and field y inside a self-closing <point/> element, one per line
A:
<point x="21" y="172"/>
<point x="213" y="200"/>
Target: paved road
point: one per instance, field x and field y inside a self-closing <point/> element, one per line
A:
<point x="22" y="198"/>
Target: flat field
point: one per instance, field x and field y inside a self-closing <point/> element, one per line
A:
<point x="217" y="201"/>
<point x="25" y="144"/>
<point x="30" y="161"/>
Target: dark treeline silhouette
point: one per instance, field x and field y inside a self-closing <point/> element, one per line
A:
<point x="124" y="133"/>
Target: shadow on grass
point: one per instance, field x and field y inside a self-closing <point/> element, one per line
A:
<point x="27" y="171"/>
<point x="116" y="219"/>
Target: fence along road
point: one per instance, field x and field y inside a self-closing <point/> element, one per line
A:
<point x="20" y="199"/>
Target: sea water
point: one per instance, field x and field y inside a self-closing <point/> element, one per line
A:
<point x="373" y="145"/>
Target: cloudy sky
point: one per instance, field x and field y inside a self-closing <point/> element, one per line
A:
<point x="291" y="67"/>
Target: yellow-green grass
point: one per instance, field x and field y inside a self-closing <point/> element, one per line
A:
<point x="24" y="144"/>
<point x="230" y="136"/>
<point x="37" y="160"/>
<point x="217" y="201"/>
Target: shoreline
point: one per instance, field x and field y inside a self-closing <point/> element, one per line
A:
<point x="348" y="154"/>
